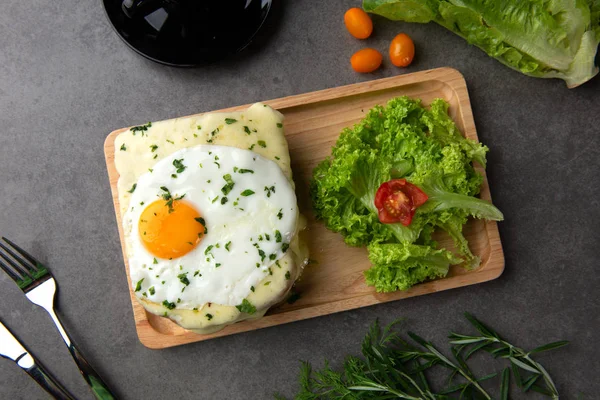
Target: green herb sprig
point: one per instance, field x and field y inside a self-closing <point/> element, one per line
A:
<point x="394" y="368"/>
<point x="526" y="371"/>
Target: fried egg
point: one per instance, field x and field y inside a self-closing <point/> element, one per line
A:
<point x="210" y="218"/>
<point x="206" y="224"/>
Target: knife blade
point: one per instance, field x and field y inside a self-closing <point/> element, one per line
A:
<point x="12" y="349"/>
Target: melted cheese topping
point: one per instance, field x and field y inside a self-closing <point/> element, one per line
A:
<point x="260" y="129"/>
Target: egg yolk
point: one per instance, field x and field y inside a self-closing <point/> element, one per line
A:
<point x="170" y="229"/>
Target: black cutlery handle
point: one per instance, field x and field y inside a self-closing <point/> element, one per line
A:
<point x="45" y="380"/>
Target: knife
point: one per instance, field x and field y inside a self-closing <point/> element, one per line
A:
<point x="13" y="350"/>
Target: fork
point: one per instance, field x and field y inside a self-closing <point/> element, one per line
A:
<point x="39" y="286"/>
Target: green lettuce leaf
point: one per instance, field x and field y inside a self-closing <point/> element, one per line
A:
<point x="423" y="145"/>
<point x="400" y="266"/>
<point x="540" y="38"/>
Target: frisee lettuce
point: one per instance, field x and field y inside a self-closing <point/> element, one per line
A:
<point x="540" y="38"/>
<point x="424" y="146"/>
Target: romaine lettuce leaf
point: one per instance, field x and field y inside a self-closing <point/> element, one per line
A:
<point x="541" y="38"/>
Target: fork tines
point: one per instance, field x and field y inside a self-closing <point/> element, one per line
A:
<point x="25" y="268"/>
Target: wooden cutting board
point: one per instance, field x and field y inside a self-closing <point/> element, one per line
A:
<point x="334" y="281"/>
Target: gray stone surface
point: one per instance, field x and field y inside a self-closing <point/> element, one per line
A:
<point x="67" y="80"/>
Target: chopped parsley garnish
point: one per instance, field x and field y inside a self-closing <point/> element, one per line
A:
<point x="272" y="257"/>
<point x="227" y="245"/>
<point x="252" y="147"/>
<point x="247" y="130"/>
<point x="277" y="263"/>
<point x="197" y="273"/>
<point x="285" y="247"/>
<point x="141" y="128"/>
<point x="260" y="238"/>
<point x="170" y="141"/>
<point x="280" y="213"/>
<point x="230" y="121"/>
<point x="151" y="170"/>
<point x="199" y="127"/>
<point x="156" y="155"/>
<point x="151" y="290"/>
<point x="288" y="275"/>
<point x="132" y="188"/>
<point x="217" y="198"/>
<point x="267" y="236"/>
<point x="184" y="279"/>
<point x="262" y="143"/>
<point x="252" y="288"/>
<point x="209" y="316"/>
<point x="269" y="190"/>
<point x="155" y="261"/>
<point x="245" y="171"/>
<point x="138" y="286"/>
<point x="270" y="271"/>
<point x="262" y="254"/>
<point x="173" y="176"/>
<point x="217" y="265"/>
<point x="218" y="165"/>
<point x="224" y="200"/>
<point x="123" y="148"/>
<point x="267" y="283"/>
<point x="178" y="163"/>
<point x="168" y="305"/>
<point x="277" y="158"/>
<point x="257" y="265"/>
<point x="169" y="198"/>
<point x="279" y="125"/>
<point x="247" y="193"/>
<point x="208" y="249"/>
<point x="246" y="307"/>
<point x="153" y="148"/>
<point x="203" y="223"/>
<point x="278" y="236"/>
<point x="229" y="186"/>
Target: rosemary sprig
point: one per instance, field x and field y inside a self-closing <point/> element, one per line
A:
<point x="393" y="368"/>
<point x="521" y="361"/>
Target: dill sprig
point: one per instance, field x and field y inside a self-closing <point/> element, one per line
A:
<point x="394" y="368"/>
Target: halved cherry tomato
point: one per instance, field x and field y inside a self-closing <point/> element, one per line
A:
<point x="366" y="60"/>
<point x="397" y="201"/>
<point x="358" y="23"/>
<point x="402" y="50"/>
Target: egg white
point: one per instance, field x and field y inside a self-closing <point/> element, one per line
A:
<point x="248" y="224"/>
